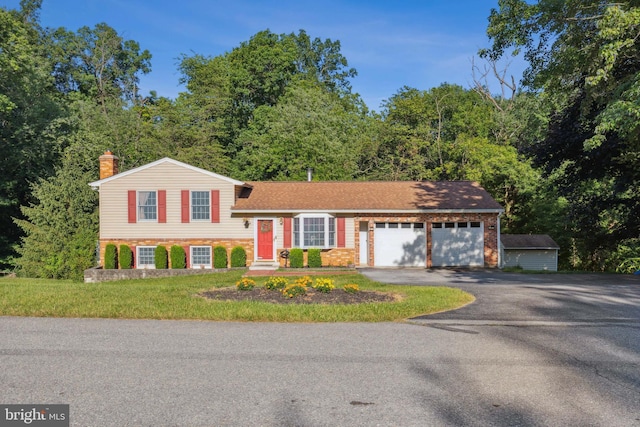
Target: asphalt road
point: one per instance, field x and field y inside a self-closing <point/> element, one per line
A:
<point x="440" y="372"/>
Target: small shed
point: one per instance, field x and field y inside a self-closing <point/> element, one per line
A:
<point x="529" y="251"/>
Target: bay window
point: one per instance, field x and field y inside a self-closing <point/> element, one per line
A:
<point x="314" y="231"/>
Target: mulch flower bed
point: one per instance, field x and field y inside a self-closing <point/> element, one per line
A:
<point x="336" y="296"/>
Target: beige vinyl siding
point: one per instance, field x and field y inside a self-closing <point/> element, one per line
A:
<point x="172" y="178"/>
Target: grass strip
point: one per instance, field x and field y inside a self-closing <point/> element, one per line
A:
<point x="176" y="298"/>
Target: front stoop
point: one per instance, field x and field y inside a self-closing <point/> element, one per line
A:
<point x="264" y="265"/>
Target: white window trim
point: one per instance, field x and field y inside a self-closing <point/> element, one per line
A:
<point x="138" y="206"/>
<point x="326" y="217"/>
<point x="191" y="211"/>
<point x="139" y="266"/>
<point x="210" y="265"/>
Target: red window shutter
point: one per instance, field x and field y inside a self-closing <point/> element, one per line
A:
<point x="341" y="233"/>
<point x="132" y="206"/>
<point x="185" y="205"/>
<point x="162" y="206"/>
<point x="187" y="253"/>
<point x="215" y="206"/>
<point x="287" y="233"/>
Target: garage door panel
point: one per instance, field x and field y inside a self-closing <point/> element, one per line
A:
<point x="458" y="246"/>
<point x="399" y="246"/>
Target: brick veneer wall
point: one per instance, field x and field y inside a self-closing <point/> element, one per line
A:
<point x="335" y="257"/>
<point x="229" y="244"/>
<point x="490" y="232"/>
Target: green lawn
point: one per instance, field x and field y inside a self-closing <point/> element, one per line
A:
<point x="176" y="298"/>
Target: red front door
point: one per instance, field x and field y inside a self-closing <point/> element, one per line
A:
<point x="265" y="239"/>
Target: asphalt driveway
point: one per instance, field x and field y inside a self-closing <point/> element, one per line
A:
<point x="516" y="298"/>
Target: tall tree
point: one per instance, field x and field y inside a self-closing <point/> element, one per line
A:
<point x="32" y="118"/>
<point x="585" y="57"/>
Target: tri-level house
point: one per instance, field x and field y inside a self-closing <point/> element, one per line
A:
<point x="376" y="224"/>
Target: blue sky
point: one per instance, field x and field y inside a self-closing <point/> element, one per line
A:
<point x="391" y="44"/>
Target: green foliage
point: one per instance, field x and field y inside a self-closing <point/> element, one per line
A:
<point x="314" y="258"/>
<point x="178" y="257"/>
<point x="351" y="288"/>
<point x="60" y="227"/>
<point x="324" y="285"/>
<point x="161" y="257"/>
<point x="276" y="283"/>
<point x="304" y="281"/>
<point x="294" y="290"/>
<point x="220" y="257"/>
<point x="296" y="258"/>
<point x="245" y="284"/>
<point x="125" y="257"/>
<point x="110" y="256"/>
<point x="238" y="257"/>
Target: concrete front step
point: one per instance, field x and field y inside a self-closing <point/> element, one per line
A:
<point x="264" y="265"/>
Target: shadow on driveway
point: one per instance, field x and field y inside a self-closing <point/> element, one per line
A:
<point x="528" y="297"/>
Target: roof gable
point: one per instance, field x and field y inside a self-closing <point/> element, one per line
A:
<point x="370" y="196"/>
<point x="97" y="184"/>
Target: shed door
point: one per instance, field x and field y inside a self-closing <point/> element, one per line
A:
<point x="399" y="244"/>
<point x="457" y="244"/>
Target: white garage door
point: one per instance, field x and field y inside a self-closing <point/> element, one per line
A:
<point x="400" y="244"/>
<point x="457" y="244"/>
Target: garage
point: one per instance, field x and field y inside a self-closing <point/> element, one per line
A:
<point x="400" y="244"/>
<point x="457" y="244"/>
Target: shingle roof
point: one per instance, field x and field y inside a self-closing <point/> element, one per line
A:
<point x="528" y="241"/>
<point x="365" y="196"/>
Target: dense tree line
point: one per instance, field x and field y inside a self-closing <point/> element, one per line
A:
<point x="561" y="155"/>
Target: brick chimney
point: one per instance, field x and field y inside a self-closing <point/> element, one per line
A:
<point x="108" y="165"/>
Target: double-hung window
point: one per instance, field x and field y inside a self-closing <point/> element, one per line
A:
<point x="147" y="206"/>
<point x="146" y="257"/>
<point x="200" y="206"/>
<point x="314" y="231"/>
<point x="200" y="256"/>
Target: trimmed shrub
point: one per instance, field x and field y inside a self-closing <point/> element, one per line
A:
<point x="296" y="258"/>
<point x="274" y="283"/>
<point x="245" y="284"/>
<point x="125" y="257"/>
<point x="219" y="257"/>
<point x="314" y="259"/>
<point x="110" y="257"/>
<point x="161" y="258"/>
<point x="178" y="257"/>
<point x="238" y="257"/>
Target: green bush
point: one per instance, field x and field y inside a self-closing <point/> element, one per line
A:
<point x="314" y="259"/>
<point x="178" y="257"/>
<point x="161" y="258"/>
<point x="296" y="258"/>
<point x="125" y="257"/>
<point x="110" y="257"/>
<point x="219" y="257"/>
<point x="238" y="257"/>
